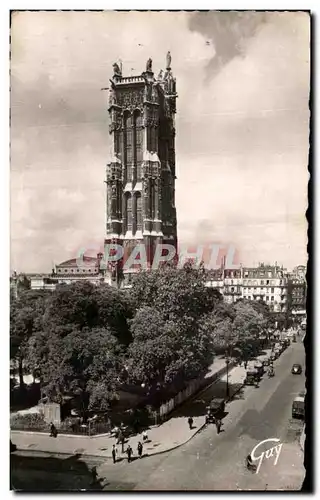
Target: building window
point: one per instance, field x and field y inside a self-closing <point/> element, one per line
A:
<point x="66" y="270"/>
<point x="78" y="270"/>
<point x="129" y="212"/>
<point x="272" y="290"/>
<point x="128" y="146"/>
<point x="262" y="282"/>
<point x="267" y="297"/>
<point x="129" y="138"/>
<point x="139" y="170"/>
<point x="139" y="211"/>
<point x="129" y="173"/>
<point x="138" y="145"/>
<point x="272" y="297"/>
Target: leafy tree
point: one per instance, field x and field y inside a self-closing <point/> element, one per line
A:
<point x="115" y="308"/>
<point x="84" y="363"/>
<point x="86" y="306"/>
<point x="247" y="321"/>
<point x="25" y="313"/>
<point x="164" y="353"/>
<point x="175" y="292"/>
<point x="72" y="304"/>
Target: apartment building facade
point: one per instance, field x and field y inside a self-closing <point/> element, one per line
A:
<point x="266" y="283"/>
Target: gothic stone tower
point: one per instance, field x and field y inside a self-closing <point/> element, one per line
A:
<point x="141" y="172"/>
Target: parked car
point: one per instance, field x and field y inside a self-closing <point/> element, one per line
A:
<point x="298" y="407"/>
<point x="252" y="377"/>
<point x="296" y="369"/>
<point x="259" y="367"/>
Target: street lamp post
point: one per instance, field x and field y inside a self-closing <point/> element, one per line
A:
<point x="227" y="388"/>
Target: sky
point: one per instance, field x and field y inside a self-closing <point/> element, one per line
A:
<point x="242" y="128"/>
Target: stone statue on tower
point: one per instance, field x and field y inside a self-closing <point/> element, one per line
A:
<point x="168" y="60"/>
<point x="116" y="69"/>
<point x="149" y="65"/>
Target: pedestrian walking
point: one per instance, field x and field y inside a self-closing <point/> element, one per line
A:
<point x="140" y="449"/>
<point x="53" y="430"/>
<point x="145" y="436"/>
<point x="190" y="422"/>
<point x="114" y="453"/>
<point x="218" y="425"/>
<point x="129" y="452"/>
<point x="94" y="475"/>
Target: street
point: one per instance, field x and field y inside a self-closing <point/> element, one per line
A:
<point x="216" y="462"/>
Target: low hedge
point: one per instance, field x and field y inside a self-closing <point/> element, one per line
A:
<point x="29" y="421"/>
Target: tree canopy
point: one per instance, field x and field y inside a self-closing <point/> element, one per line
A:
<point x="85" y="341"/>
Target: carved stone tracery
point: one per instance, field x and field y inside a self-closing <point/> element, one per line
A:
<point x="131" y="100"/>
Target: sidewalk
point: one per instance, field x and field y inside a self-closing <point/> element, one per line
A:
<point x="169" y="435"/>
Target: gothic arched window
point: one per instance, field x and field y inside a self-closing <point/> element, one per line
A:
<point x="139" y="211"/>
<point x="138" y="144"/>
<point x="129" y="212"/>
<point x="128" y="121"/>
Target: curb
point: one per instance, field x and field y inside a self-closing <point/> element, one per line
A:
<point x="85" y="455"/>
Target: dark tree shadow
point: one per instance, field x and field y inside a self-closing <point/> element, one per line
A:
<point x="48" y="473"/>
<point x="197" y="406"/>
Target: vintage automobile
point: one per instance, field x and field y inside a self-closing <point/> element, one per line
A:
<point x="296" y="369"/>
<point x="277" y="353"/>
<point x="298" y="407"/>
<point x="266" y="362"/>
<point x="272" y="356"/>
<point x="252" y="377"/>
<point x="215" y="410"/>
<point x="259" y="367"/>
